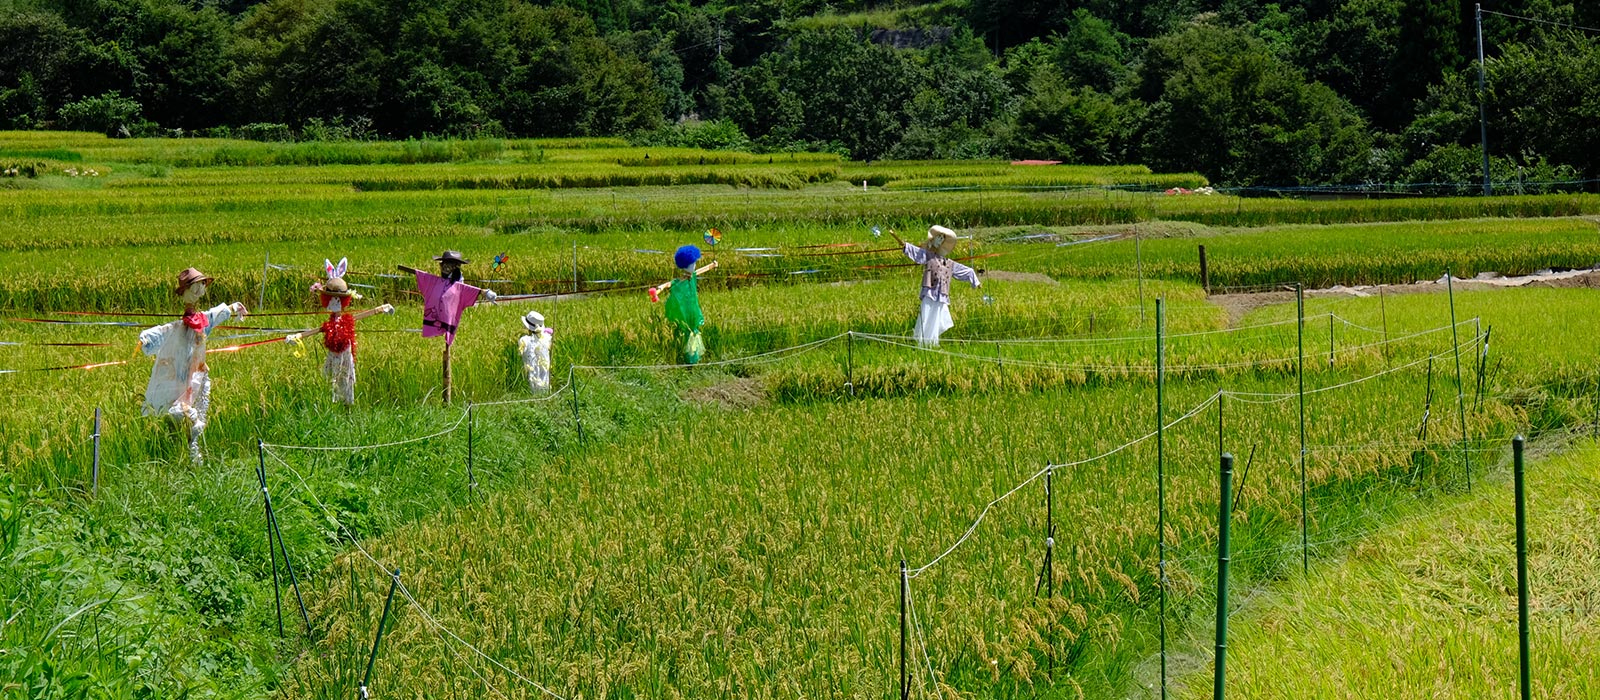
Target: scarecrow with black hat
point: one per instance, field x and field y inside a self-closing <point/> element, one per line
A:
<point x="180" y="384"/>
<point x="937" y="272"/>
<point x="682" y="306"/>
<point x="535" y="350"/>
<point x="444" y="298"/>
<point x="339" y="331"/>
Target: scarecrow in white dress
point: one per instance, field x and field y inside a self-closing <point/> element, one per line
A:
<point x="339" y="331"/>
<point x="180" y="383"/>
<point x="937" y="271"/>
<point x="535" y="350"/>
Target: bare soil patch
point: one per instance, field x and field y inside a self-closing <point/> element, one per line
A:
<point x="736" y="394"/>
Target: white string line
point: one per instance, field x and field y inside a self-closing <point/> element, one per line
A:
<point x="1353" y="382"/>
<point x="389" y="572"/>
<point x="1290" y="547"/>
<point x="1108" y="368"/>
<point x="1197" y="409"/>
<point x="1107" y="341"/>
<point x="913" y="573"/>
<point x="1418" y="334"/>
<point x="353" y="448"/>
<point x="437" y="625"/>
<point x="1352" y="324"/>
<point x="453" y="427"/>
<point x="922" y="642"/>
<point x="902" y="340"/>
<point x="537" y="399"/>
<point x="454" y="650"/>
<point x="733" y="361"/>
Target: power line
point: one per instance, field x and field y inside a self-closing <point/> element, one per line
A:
<point x="1553" y="23"/>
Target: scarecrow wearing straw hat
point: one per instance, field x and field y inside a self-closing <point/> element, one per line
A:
<point x="180" y="383"/>
<point x="682" y="306"/>
<point x="535" y="350"/>
<point x="339" y="331"/>
<point x="937" y="271"/>
<point x="444" y="298"/>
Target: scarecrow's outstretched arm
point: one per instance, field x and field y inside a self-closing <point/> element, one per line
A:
<point x="385" y="309"/>
<point x="707" y="268"/>
<point x="404" y="268"/>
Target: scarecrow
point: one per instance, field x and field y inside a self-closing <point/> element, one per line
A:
<point x="444" y="298"/>
<point x="339" y="331"/>
<point x="682" y="306"/>
<point x="535" y="350"/>
<point x="180" y="384"/>
<point x="937" y="271"/>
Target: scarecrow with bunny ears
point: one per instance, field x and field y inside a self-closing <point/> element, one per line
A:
<point x="339" y="331"/>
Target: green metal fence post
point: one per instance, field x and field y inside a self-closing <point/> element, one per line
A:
<point x="905" y="687"/>
<point x="850" y="361"/>
<point x="472" y="479"/>
<point x="1224" y="510"/>
<point x="1300" y="374"/>
<point x="272" y="549"/>
<point x="1161" y="479"/>
<point x="1330" y="341"/>
<point x="1526" y="679"/>
<point x="577" y="418"/>
<point x="366" y="680"/>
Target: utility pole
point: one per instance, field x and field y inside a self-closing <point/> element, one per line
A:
<point x="1483" y="116"/>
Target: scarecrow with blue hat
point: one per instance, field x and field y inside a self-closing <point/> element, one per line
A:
<point x="682" y="305"/>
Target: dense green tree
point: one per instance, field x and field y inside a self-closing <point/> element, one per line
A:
<point x="843" y="89"/>
<point x="1227" y="107"/>
<point x="1058" y="121"/>
<point x="1091" y="53"/>
<point x="1285" y="91"/>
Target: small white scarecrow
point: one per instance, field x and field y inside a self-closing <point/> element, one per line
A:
<point x="180" y="382"/>
<point x="937" y="271"/>
<point x="339" y="331"/>
<point x="535" y="349"/>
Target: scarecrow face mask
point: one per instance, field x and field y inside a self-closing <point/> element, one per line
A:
<point x="332" y="303"/>
<point x="450" y="270"/>
<point x="193" y="292"/>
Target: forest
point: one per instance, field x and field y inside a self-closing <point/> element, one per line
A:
<point x="1246" y="93"/>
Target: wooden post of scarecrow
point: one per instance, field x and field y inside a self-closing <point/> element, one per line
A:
<point x="339" y="331"/>
<point x="937" y="272"/>
<point x="180" y="381"/>
<point x="444" y="297"/>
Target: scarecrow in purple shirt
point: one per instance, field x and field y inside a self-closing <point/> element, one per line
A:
<point x="444" y="297"/>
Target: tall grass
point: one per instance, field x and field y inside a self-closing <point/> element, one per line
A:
<point x="1429" y="608"/>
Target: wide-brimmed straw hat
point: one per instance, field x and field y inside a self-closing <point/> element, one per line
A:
<point x="533" y="321"/>
<point x="337" y="287"/>
<point x="942" y="240"/>
<point x="190" y="276"/>
<point x="452" y="256"/>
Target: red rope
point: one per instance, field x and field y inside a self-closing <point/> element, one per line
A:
<point x="57" y="369"/>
